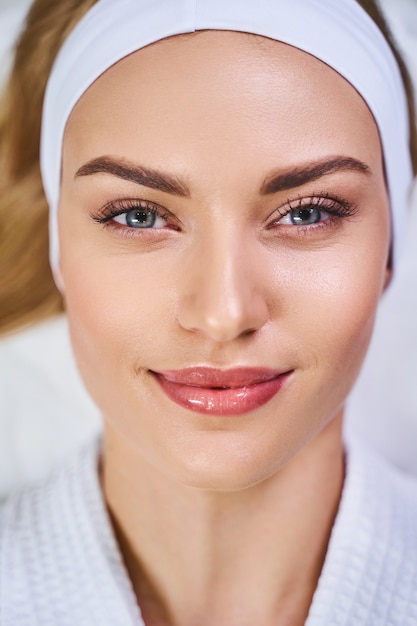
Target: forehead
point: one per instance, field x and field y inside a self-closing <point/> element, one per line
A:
<point x="220" y="86"/>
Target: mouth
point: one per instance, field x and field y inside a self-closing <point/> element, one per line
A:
<point x="213" y="391"/>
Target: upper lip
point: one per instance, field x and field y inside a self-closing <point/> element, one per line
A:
<point x="205" y="376"/>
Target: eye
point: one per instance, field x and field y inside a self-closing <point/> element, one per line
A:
<point x="140" y="218"/>
<point x="127" y="216"/>
<point x="304" y="216"/>
<point x="321" y="211"/>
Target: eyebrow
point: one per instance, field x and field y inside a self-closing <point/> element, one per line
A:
<point x="138" y="174"/>
<point x="298" y="176"/>
<point x="154" y="179"/>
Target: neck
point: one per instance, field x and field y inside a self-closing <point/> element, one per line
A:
<point x="200" y="557"/>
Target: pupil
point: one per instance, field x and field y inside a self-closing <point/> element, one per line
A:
<point x="140" y="219"/>
<point x="305" y="216"/>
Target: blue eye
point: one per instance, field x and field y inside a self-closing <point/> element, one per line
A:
<point x="140" y="218"/>
<point x="125" y="216"/>
<point x="137" y="219"/>
<point x="304" y="217"/>
<point x="314" y="210"/>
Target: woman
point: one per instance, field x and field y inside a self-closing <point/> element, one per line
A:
<point x="226" y="187"/>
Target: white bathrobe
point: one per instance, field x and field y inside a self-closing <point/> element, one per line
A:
<point x="60" y="564"/>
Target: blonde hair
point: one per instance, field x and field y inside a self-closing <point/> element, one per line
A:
<point x="27" y="291"/>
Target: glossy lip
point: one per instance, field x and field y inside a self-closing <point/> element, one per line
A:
<point x="221" y="392"/>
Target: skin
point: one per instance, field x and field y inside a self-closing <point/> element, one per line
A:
<point x="247" y="502"/>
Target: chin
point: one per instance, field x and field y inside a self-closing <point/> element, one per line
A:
<point x="225" y="461"/>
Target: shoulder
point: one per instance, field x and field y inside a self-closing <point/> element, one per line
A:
<point x="385" y="497"/>
<point x="370" y="571"/>
<point x="59" y="562"/>
<point x="43" y="511"/>
<point x="36" y="540"/>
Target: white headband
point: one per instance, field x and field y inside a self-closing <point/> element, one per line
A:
<point x="338" y="32"/>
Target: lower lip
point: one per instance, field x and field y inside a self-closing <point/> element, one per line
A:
<point x="222" y="402"/>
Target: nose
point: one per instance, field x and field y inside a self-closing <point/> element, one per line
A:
<point x="222" y="295"/>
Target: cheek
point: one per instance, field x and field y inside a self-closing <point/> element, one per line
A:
<point x="334" y="312"/>
<point x="115" y="311"/>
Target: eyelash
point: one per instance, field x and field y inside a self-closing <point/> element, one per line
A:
<point x="121" y="207"/>
<point x="335" y="207"/>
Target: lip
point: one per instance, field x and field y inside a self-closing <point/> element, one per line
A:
<point x="221" y="392"/>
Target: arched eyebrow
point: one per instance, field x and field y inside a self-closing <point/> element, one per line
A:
<point x="281" y="181"/>
<point x="298" y="176"/>
<point x="134" y="173"/>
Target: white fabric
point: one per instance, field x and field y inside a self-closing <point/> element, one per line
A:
<point x="60" y="564"/>
<point x="45" y="412"/>
<point x="59" y="561"/>
<point x="339" y="32"/>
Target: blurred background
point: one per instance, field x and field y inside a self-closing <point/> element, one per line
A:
<point x="45" y="414"/>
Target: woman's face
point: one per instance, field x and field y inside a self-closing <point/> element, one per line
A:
<point x="223" y="206"/>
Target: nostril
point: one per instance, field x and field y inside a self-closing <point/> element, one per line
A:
<point x="249" y="332"/>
